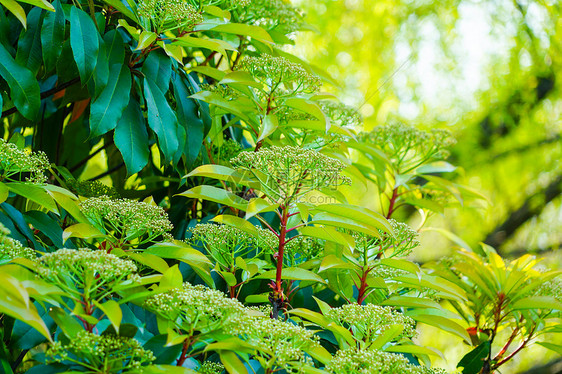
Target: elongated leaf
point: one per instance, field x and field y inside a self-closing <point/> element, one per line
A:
<point x="444" y="324"/>
<point x="237" y="222"/>
<point x="34" y="193"/>
<point x="215" y="99"/>
<point x="415" y="349"/>
<point x="158" y="68"/>
<point x="24" y="89"/>
<point x="224" y="173"/>
<point x="311" y="316"/>
<point x="255" y="32"/>
<point x="113" y="312"/>
<point x="107" y="109"/>
<point x="293" y="273"/>
<point x="16" y="10"/>
<point x="217" y="195"/>
<point x="212" y="44"/>
<point x="232" y="363"/>
<point x="52" y="36"/>
<point x="328" y="233"/>
<point x="161" y="119"/>
<point x="146" y="38"/>
<point x="43" y="4"/>
<point x="343" y="222"/>
<point x="389" y="334"/>
<point x="259" y="205"/>
<point x="553" y="347"/>
<point x="537" y="302"/>
<point x="268" y="127"/>
<point x="84" y="42"/>
<point x="473" y="361"/>
<point x="118" y="4"/>
<point x="311" y="108"/>
<point x="334" y="262"/>
<point x="14" y="302"/>
<point x="360" y="214"/>
<point x="29" y="44"/>
<point x="81" y="230"/>
<point x="131" y="138"/>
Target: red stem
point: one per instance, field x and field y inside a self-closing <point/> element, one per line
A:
<point x="280" y="252"/>
<point x="363" y="287"/>
<point x="392" y="202"/>
<point x="183" y="355"/>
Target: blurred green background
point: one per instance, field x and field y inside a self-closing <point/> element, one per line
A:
<point x="490" y="72"/>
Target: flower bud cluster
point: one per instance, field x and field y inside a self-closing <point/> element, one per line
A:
<point x="360" y="361"/>
<point x="272" y="71"/>
<point x="84" y="263"/>
<point x="209" y="367"/>
<point x="302" y="249"/>
<point x="229" y="149"/>
<point x="91" y="189"/>
<point x="340" y="114"/>
<point x="108" y="353"/>
<point x="127" y="219"/>
<point x="408" y="147"/>
<point x="11" y="248"/>
<point x="404" y="240"/>
<point x="169" y="14"/>
<point x="274" y="14"/>
<point x="197" y="308"/>
<point x="551" y="288"/>
<point x="14" y="160"/>
<point x="367" y="322"/>
<point x="224" y="242"/>
<point x="286" y="172"/>
<point x="281" y="344"/>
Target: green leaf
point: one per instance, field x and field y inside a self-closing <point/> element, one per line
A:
<point x="214" y="73"/>
<point x="330" y="219"/>
<point x="14" y="302"/>
<point x="52" y="36"/>
<point x="24" y="89"/>
<point x="122" y="8"/>
<point x="240" y="77"/>
<point x="217" y="195"/>
<point x="131" y="138"/>
<point x="270" y="123"/>
<point x="113" y="312"/>
<point x="553" y="347"/>
<point x="29" y="43"/>
<point x="359" y="214"/>
<point x="158" y="69"/>
<point x="405" y="265"/>
<point x="215" y="99"/>
<point x="293" y="273"/>
<point x="211" y="44"/>
<point x="473" y="361"/>
<point x="161" y="119"/>
<point x="81" y="230"/>
<point x="444" y="324"/>
<point x="150" y="260"/>
<point x="107" y="109"/>
<point x="70" y="326"/>
<point x="311" y="316"/>
<point x="166" y="369"/>
<point x="146" y="38"/>
<point x="43" y="4"/>
<point x="411" y="302"/>
<point x="232" y="363"/>
<point x="334" y="262"/>
<point x="84" y="42"/>
<point x="389" y="334"/>
<point x="35" y="193"/>
<point x="16" y="10"/>
<point x="415" y="349"/>
<point x="254" y="32"/>
<point x="4" y="192"/>
<point x="537" y="302"/>
<point x="171" y="278"/>
<point x="309" y="107"/>
<point x="328" y="233"/>
<point x="259" y="205"/>
<point x="224" y="173"/>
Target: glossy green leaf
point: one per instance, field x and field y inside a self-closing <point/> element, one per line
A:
<point x="131" y="138"/>
<point x="68" y="324"/>
<point x="415" y="350"/>
<point x="328" y="233"/>
<point x="113" y="312"/>
<point x="293" y="273"/>
<point x="4" y="192"/>
<point x="16" y="10"/>
<point x="232" y="363"/>
<point x="24" y="89"/>
<point x="146" y="38"/>
<point x="357" y="213"/>
<point x="259" y="205"/>
<point x="84" y="42"/>
<point x="29" y="52"/>
<point x="211" y="44"/>
<point x="537" y="302"/>
<point x="122" y="8"/>
<point x="444" y="324"/>
<point x="158" y="69"/>
<point x="81" y="230"/>
<point x="35" y="193"/>
<point x="107" y="109"/>
<point x="473" y="361"/>
<point x="390" y="334"/>
<point x="269" y="124"/>
<point x="311" y="108"/>
<point x="224" y="173"/>
<point x="254" y="32"/>
<point x="330" y="219"/>
<point x="217" y="195"/>
<point x="553" y="347"/>
<point x="161" y="119"/>
<point x="52" y="35"/>
<point x="43" y="4"/>
<point x="334" y="262"/>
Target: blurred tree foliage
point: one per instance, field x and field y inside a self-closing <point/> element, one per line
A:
<point x="487" y="70"/>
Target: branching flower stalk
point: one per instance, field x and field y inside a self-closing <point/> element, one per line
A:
<point x="285" y="174"/>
